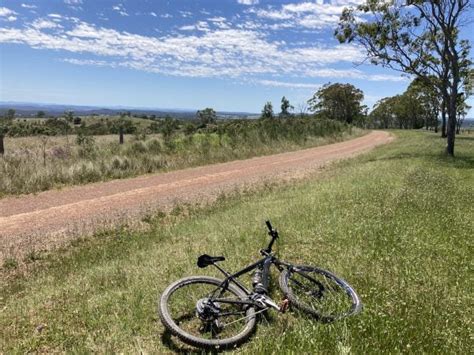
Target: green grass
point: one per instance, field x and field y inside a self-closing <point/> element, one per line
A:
<point x="397" y="223"/>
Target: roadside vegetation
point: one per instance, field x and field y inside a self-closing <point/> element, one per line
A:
<point x="33" y="164"/>
<point x="396" y="223"/>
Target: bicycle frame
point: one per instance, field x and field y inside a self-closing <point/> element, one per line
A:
<point x="264" y="264"/>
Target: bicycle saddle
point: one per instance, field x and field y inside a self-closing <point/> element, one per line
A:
<point x="206" y="260"/>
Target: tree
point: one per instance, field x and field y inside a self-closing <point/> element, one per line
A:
<point x="40" y="114"/>
<point x="267" y="112"/>
<point x="10" y="115"/>
<point x="206" y="116"/>
<point x="383" y="115"/>
<point x="431" y="100"/>
<point x="285" y="107"/>
<point x="5" y="123"/>
<point x="406" y="111"/>
<point x="463" y="108"/>
<point x="418" y="37"/>
<point x="69" y="116"/>
<point x="342" y="102"/>
<point x="168" y="126"/>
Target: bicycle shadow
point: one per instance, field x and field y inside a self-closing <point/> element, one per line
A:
<point x="178" y="347"/>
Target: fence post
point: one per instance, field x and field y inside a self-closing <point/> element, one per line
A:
<point x="2" y="147"/>
<point x="121" y="135"/>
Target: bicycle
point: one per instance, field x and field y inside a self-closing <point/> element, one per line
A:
<point x="211" y="313"/>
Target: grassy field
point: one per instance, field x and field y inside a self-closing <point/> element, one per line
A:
<point x="397" y="223"/>
<point x="33" y="164"/>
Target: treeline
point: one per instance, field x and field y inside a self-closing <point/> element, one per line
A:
<point x="419" y="106"/>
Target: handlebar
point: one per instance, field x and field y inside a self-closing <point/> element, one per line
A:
<point x="269" y="226"/>
<point x="273" y="233"/>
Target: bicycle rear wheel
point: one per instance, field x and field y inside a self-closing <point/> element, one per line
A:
<point x="188" y="312"/>
<point x="319" y="293"/>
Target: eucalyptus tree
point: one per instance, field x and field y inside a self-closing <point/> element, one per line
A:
<point x="207" y="116"/>
<point x="267" y="111"/>
<point x="286" y="107"/>
<point x="342" y="102"/>
<point x="418" y="37"/>
<point x="429" y="99"/>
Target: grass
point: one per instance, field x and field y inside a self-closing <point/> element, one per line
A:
<point x="397" y="223"/>
<point x="34" y="164"/>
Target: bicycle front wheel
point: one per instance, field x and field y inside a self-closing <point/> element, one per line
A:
<point x="202" y="313"/>
<point x="319" y="293"/>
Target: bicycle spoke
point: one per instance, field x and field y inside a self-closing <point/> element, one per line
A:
<point x="227" y="320"/>
<point x="321" y="293"/>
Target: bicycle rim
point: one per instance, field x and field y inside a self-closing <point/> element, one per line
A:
<point x="320" y="293"/>
<point x="224" y="324"/>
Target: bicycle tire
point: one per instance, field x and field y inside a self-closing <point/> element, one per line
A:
<point x="186" y="337"/>
<point x="354" y="304"/>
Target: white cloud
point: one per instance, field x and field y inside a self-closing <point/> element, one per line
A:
<point x="27" y="6"/>
<point x="352" y="74"/>
<point x="97" y="63"/>
<point x="212" y="52"/>
<point x="153" y="14"/>
<point x="44" y="23"/>
<point x="186" y="14"/>
<point x="248" y="2"/>
<point x="312" y="15"/>
<point x="188" y="28"/>
<point x="284" y="84"/>
<point x="73" y="2"/>
<point x="5" y="12"/>
<point x="384" y="77"/>
<point x="120" y="9"/>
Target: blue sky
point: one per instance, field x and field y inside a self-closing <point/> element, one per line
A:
<point x="231" y="55"/>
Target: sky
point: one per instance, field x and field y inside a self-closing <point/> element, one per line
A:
<point x="231" y="55"/>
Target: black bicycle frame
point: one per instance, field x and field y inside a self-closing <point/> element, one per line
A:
<point x="263" y="263"/>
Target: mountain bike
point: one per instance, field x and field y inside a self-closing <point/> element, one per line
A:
<point x="212" y="313"/>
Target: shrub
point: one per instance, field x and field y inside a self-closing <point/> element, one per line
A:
<point x="84" y="171"/>
<point x="154" y="146"/>
<point x="120" y="163"/>
<point x="137" y="147"/>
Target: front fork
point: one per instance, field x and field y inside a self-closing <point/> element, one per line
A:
<point x="261" y="277"/>
<point x="260" y="283"/>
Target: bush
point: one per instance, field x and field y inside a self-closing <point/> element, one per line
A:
<point x="120" y="163"/>
<point x="154" y="146"/>
<point x="137" y="147"/>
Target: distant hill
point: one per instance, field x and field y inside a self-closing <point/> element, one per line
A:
<point x="468" y="122"/>
<point x="28" y="109"/>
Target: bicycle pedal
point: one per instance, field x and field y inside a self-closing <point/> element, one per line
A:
<point x="284" y="304"/>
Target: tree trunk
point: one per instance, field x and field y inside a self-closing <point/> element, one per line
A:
<point x="2" y="147"/>
<point x="121" y="135"/>
<point x="451" y="127"/>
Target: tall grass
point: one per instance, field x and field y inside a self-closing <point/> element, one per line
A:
<point x="40" y="163"/>
<point x="397" y="223"/>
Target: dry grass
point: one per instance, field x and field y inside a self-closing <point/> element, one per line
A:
<point x="36" y="164"/>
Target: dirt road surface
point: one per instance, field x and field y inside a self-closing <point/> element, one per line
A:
<point x="51" y="218"/>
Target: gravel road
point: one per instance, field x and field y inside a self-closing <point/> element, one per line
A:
<point x="50" y="218"/>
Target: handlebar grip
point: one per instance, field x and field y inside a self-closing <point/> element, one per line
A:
<point x="269" y="226"/>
